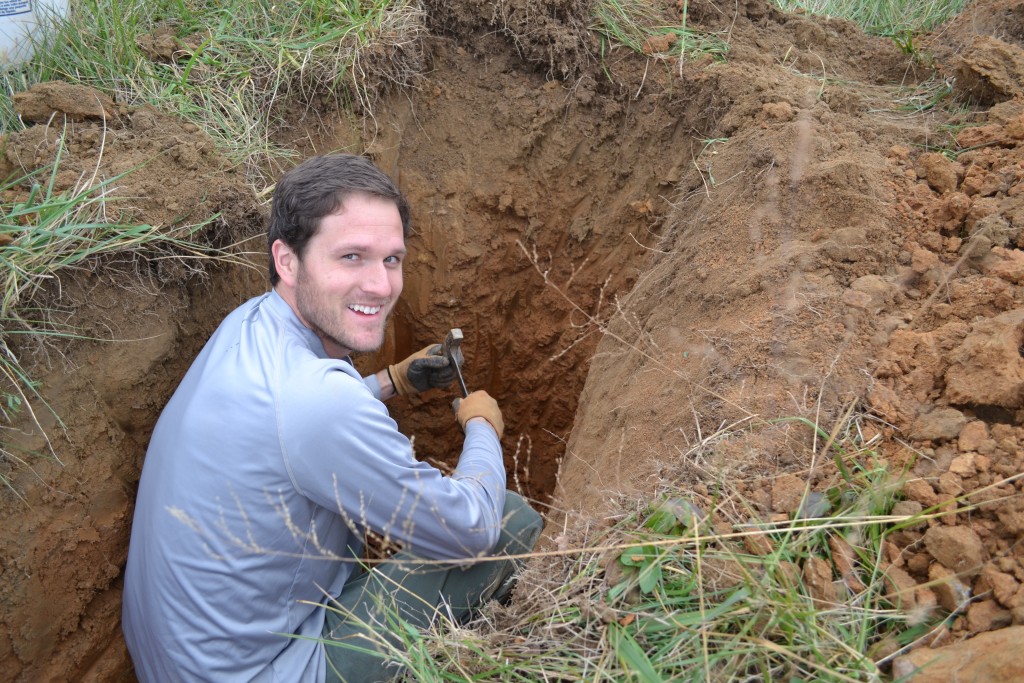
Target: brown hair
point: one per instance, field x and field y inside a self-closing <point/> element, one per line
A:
<point x="318" y="187"/>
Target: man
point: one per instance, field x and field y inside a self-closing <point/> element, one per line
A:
<point x="274" y="458"/>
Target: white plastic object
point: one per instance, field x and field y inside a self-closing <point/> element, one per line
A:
<point x="20" y="20"/>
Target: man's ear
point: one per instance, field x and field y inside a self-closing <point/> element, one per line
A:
<point x="286" y="262"/>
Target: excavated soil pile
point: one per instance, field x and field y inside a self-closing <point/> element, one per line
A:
<point x="638" y="253"/>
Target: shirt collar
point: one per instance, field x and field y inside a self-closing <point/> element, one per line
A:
<point x="280" y="309"/>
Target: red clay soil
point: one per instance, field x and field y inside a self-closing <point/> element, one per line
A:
<point x="637" y="252"/>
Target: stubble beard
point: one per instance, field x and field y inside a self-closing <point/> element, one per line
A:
<point x="326" y="320"/>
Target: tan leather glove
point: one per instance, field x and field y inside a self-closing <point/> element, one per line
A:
<point x="425" y="369"/>
<point x="479" y="404"/>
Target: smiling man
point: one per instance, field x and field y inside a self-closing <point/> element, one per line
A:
<point x="274" y="458"/>
<point x="346" y="280"/>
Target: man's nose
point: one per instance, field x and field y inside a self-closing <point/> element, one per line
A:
<point x="377" y="281"/>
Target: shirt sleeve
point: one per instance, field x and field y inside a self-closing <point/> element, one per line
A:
<point x="373" y="384"/>
<point x="344" y="452"/>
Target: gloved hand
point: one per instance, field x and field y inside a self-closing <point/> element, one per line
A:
<point x="479" y="404"/>
<point x="425" y="369"/>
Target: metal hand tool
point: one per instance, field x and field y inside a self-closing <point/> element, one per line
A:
<point x="452" y="350"/>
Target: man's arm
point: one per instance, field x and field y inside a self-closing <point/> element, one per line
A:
<point x="387" y="388"/>
<point x="344" y="452"/>
<point x="380" y="385"/>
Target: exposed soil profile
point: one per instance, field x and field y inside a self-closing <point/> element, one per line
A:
<point x="638" y="253"/>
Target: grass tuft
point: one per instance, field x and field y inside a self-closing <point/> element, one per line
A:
<point x="652" y="30"/>
<point x="47" y="233"/>
<point x="693" y="587"/>
<point x="233" y="68"/>
<point x="900" y="20"/>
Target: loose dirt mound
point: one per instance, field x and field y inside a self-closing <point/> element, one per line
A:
<point x="771" y="235"/>
<point x="845" y="261"/>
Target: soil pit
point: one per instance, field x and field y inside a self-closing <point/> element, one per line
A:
<point x="638" y="253"/>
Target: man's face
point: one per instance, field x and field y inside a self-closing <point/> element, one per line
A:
<point x="350" y="276"/>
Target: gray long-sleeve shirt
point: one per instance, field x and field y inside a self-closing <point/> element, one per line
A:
<point x="264" y="469"/>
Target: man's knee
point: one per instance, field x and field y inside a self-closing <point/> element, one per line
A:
<point x="520" y="525"/>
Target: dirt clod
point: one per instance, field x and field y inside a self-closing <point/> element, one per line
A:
<point x="987" y="368"/>
<point x="939" y="424"/>
<point x="990" y="71"/>
<point x="957" y="548"/>
<point x="976" y="659"/>
<point x="46" y="101"/>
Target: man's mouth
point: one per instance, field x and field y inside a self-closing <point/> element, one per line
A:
<point x="364" y="310"/>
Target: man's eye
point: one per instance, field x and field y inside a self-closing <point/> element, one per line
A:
<point x="350" y="257"/>
<point x="393" y="259"/>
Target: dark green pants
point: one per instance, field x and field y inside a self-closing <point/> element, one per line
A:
<point x="362" y="624"/>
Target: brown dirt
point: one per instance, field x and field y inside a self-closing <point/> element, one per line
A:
<point x="626" y="286"/>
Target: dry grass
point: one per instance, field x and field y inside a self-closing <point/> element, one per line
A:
<point x="706" y="585"/>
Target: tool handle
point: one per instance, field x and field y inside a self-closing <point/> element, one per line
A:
<point x="452" y="350"/>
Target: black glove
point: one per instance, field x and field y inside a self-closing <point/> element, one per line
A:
<point x="425" y="369"/>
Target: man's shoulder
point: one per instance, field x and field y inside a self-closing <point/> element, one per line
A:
<point x="312" y="382"/>
<point x="229" y="331"/>
<point x="264" y="329"/>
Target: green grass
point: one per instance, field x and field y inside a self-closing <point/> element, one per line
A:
<point x="900" y="20"/>
<point x="651" y="29"/>
<point x="661" y="30"/>
<point x="47" y="233"/>
<point x="699" y="588"/>
<point x="236" y="69"/>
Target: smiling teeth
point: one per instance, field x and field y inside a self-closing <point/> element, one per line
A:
<point x="368" y="310"/>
